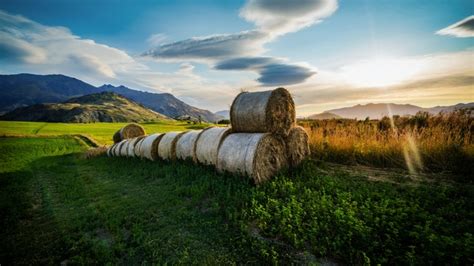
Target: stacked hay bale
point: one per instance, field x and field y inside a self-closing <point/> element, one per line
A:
<point x="264" y="137"/>
<point x="262" y="140"/>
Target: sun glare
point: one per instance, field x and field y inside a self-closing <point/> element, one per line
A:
<point x="380" y="72"/>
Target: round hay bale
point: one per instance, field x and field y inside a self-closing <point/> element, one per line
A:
<point x="118" y="148"/>
<point x="208" y="143"/>
<point x="138" y="147"/>
<point x="131" y="146"/>
<point x="113" y="152"/>
<point x="297" y="146"/>
<point x="186" y="145"/>
<point x="257" y="155"/>
<point x="167" y="145"/>
<point x="109" y="150"/>
<point x="264" y="111"/>
<point x="149" y="146"/>
<point x="124" y="148"/>
<point x="117" y="138"/>
<point x="129" y="131"/>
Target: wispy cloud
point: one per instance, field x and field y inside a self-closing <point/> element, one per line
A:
<point x="23" y="41"/>
<point x="243" y="50"/>
<point x="444" y="78"/>
<point x="278" y="17"/>
<point x="463" y="28"/>
<point x="211" y="48"/>
<point x="272" y="71"/>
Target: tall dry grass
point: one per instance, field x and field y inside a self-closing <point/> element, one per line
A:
<point x="424" y="142"/>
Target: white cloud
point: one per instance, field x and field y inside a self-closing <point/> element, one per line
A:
<point x="157" y="39"/>
<point x="463" y="28"/>
<point x="273" y="18"/>
<point x="278" y="17"/>
<point x="211" y="48"/>
<point x="23" y="41"/>
<point x="444" y="78"/>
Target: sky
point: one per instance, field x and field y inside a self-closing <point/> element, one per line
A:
<point x="327" y="53"/>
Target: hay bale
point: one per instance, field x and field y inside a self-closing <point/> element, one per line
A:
<point x="167" y="145"/>
<point x="149" y="146"/>
<point x="257" y="155"/>
<point x="138" y="147"/>
<point x="297" y="146"/>
<point x="186" y="145"/>
<point x="129" y="131"/>
<point x="131" y="146"/>
<point x="114" y="152"/>
<point x="124" y="148"/>
<point x="118" y="148"/>
<point x="116" y="137"/>
<point x="109" y="150"/>
<point x="265" y="111"/>
<point x="208" y="143"/>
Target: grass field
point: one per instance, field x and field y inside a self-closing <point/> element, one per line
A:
<point x="101" y="132"/>
<point x="422" y="143"/>
<point x="56" y="206"/>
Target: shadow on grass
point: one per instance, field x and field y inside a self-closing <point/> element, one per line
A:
<point x="67" y="209"/>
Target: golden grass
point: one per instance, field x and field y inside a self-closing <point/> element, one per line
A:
<point x="420" y="143"/>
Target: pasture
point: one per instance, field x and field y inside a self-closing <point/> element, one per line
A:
<point x="57" y="206"/>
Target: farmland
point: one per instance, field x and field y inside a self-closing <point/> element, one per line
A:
<point x="57" y="206"/>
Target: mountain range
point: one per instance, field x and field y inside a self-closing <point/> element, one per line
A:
<point x="97" y="107"/>
<point x="379" y="110"/>
<point x="22" y="90"/>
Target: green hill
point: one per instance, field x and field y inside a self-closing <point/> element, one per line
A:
<point x="98" y="107"/>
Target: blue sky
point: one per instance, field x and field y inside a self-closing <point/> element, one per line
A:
<point x="204" y="52"/>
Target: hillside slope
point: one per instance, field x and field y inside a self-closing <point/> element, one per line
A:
<point x="98" y="107"/>
<point x="22" y="90"/>
<point x="164" y="103"/>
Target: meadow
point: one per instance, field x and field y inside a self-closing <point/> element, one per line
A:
<point x="57" y="206"/>
<point x="422" y="143"/>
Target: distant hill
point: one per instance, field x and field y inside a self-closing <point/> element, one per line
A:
<point x="21" y="90"/>
<point x="164" y="103"/>
<point x="98" y="107"/>
<point x="379" y="110"/>
<point x="324" y="115"/>
<point x="224" y="114"/>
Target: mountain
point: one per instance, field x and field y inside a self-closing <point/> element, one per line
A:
<point x="164" y="103"/>
<point x="27" y="89"/>
<point x="379" y="110"/>
<point x="224" y="114"/>
<point x="98" y="107"/>
<point x="323" y="116"/>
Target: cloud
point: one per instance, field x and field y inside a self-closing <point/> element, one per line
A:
<point x="94" y="64"/>
<point x="441" y="79"/>
<point x="23" y="41"/>
<point x="463" y="28"/>
<point x="212" y="47"/>
<point x="243" y="50"/>
<point x="272" y="71"/>
<point x="18" y="50"/>
<point x="278" y="17"/>
<point x="157" y="39"/>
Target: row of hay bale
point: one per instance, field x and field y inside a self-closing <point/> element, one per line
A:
<point x="262" y="140"/>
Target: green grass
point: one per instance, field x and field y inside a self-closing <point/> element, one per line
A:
<point x="56" y="206"/>
<point x="101" y="132"/>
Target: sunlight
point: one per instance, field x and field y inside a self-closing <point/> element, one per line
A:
<point x="380" y="72"/>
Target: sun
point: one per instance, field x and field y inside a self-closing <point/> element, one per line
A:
<point x="380" y="72"/>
